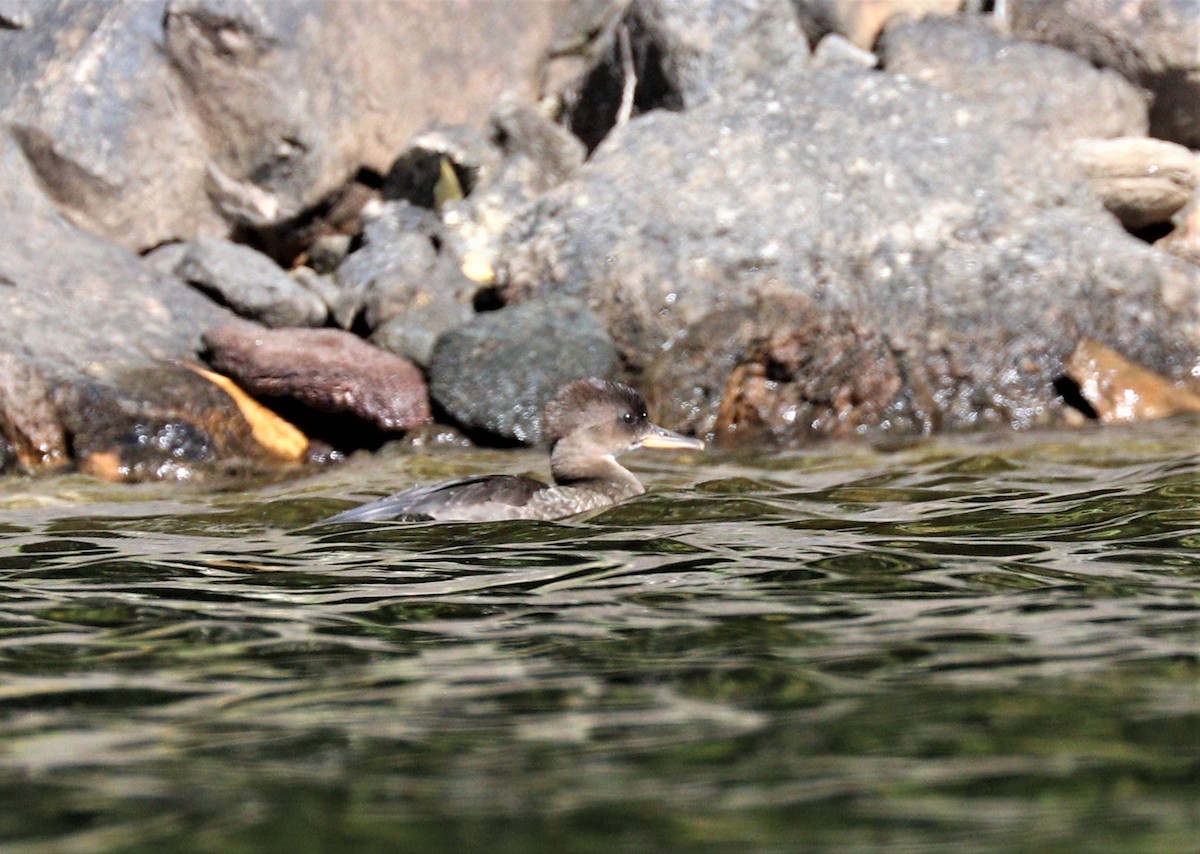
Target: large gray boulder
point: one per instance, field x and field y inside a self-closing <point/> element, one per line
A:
<point x="848" y="251"/>
<point x="154" y="120"/>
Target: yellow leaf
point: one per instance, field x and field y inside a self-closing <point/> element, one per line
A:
<point x="278" y="436"/>
<point x="447" y="188"/>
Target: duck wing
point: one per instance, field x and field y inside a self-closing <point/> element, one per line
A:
<point x="470" y="499"/>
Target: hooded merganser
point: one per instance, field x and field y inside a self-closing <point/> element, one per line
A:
<point x="587" y="423"/>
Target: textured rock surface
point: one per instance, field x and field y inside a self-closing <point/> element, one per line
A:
<point x="1154" y="43"/>
<point x="494" y="374"/>
<point x="902" y="260"/>
<point x="31" y="435"/>
<point x="326" y="370"/>
<point x="153" y="120"/>
<point x="250" y="283"/>
<point x="1039" y="85"/>
<point x="71" y="303"/>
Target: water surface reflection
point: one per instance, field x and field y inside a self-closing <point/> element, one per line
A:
<point x="983" y="644"/>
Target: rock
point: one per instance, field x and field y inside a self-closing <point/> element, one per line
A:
<point x="156" y="120"/>
<point x="1143" y="181"/>
<point x="165" y="259"/>
<point x="72" y="304"/>
<point x="1037" y="85"/>
<point x="324" y="370"/>
<point x="29" y="425"/>
<point x="417" y="171"/>
<point x="835" y="49"/>
<point x="861" y="21"/>
<point x="491" y="175"/>
<point x="400" y="273"/>
<point x="630" y="58"/>
<point x="902" y="261"/>
<point x="414" y="333"/>
<point x="163" y="422"/>
<point x="250" y="283"/>
<point x="341" y="304"/>
<point x="494" y="374"/>
<point x="1184" y="239"/>
<point x="1152" y="43"/>
<point x="1118" y="390"/>
<point x="104" y="331"/>
<point x="15" y="15"/>
<point x="530" y="154"/>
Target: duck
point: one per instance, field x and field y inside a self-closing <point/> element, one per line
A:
<point x="588" y="423"/>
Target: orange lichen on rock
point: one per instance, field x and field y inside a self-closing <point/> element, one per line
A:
<point x="1120" y="391"/>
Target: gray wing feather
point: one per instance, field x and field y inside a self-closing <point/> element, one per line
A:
<point x="449" y="500"/>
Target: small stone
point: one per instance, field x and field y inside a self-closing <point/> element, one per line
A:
<point x="1142" y="181"/>
<point x="326" y="370"/>
<point x="342" y="304"/>
<point x="836" y="49"/>
<point x="250" y="283"/>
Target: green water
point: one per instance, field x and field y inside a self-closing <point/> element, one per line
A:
<point x="989" y="644"/>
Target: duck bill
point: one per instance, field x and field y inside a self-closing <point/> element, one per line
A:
<point x="662" y="439"/>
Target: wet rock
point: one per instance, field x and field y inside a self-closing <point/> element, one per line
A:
<point x="203" y="115"/>
<point x="1151" y="43"/>
<point x="1119" y="390"/>
<point x="163" y="422"/>
<point x="103" y="329"/>
<point x="250" y="283"/>
<point x="630" y="58"/>
<point x="324" y="370"/>
<point x="1038" y="85"/>
<point x="862" y="22"/>
<point x="30" y="428"/>
<point x="494" y="374"/>
<point x="903" y="260"/>
<point x="1143" y="181"/>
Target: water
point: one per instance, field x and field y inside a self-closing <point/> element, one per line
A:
<point x="986" y="644"/>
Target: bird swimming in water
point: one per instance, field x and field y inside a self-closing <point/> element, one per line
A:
<point x="587" y="423"/>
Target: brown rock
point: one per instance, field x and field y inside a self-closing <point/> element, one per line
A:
<point x="1119" y="390"/>
<point x="325" y="370"/>
<point x="28" y="421"/>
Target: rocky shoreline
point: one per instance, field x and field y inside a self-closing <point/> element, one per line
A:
<point x="781" y="220"/>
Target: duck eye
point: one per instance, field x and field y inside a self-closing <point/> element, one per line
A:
<point x="629" y="418"/>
